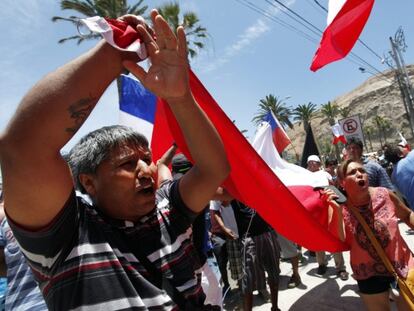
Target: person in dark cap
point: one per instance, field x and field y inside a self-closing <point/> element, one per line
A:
<point x="180" y="165"/>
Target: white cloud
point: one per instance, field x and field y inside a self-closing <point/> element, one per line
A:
<point x="252" y="33"/>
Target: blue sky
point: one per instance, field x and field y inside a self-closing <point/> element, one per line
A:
<point x="248" y="55"/>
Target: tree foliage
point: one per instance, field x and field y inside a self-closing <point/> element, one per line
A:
<point x="331" y="111"/>
<point x="277" y="106"/>
<point x="196" y="34"/>
<point x="304" y="114"/>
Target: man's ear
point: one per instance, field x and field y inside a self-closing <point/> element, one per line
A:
<point x="88" y="182"/>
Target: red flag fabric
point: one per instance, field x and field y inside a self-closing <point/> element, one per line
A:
<point x="254" y="183"/>
<point x="338" y="134"/>
<point x="251" y="180"/>
<point x="342" y="33"/>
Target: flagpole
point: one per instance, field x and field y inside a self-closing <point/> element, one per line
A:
<point x="316" y="140"/>
<point x="294" y="149"/>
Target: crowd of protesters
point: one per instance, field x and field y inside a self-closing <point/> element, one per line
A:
<point x="107" y="229"/>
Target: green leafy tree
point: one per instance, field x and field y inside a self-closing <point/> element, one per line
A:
<point x="331" y="111"/>
<point x="277" y="106"/>
<point x="344" y="112"/>
<point x="369" y="131"/>
<point x="383" y="125"/>
<point x="89" y="8"/>
<point x="304" y="114"/>
<point x="325" y="146"/>
<point x="196" y="33"/>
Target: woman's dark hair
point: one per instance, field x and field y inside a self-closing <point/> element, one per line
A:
<point x="343" y="168"/>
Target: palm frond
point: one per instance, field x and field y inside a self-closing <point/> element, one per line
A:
<point x="84" y="7"/>
<point x="74" y="20"/>
<point x="63" y="40"/>
<point x="137" y="8"/>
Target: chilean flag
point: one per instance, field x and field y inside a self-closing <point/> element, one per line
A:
<point x="117" y="33"/>
<point x="280" y="138"/>
<point x="338" y="134"/>
<point x="403" y="143"/>
<point x="298" y="180"/>
<point x="251" y="181"/>
<point x="346" y="20"/>
<point x="144" y="112"/>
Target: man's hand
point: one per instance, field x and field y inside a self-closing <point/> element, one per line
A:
<point x="168" y="78"/>
<point x="168" y="75"/>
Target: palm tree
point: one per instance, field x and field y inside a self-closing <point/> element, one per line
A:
<point x="369" y="130"/>
<point x="196" y="34"/>
<point x="277" y="106"/>
<point x="89" y="8"/>
<point x="344" y="112"/>
<point x="330" y="111"/>
<point x="304" y="113"/>
<point x="383" y="125"/>
<point x="386" y="126"/>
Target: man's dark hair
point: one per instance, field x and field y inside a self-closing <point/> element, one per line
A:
<point x="95" y="147"/>
<point x="355" y="141"/>
<point x="392" y="153"/>
<point x="329" y="162"/>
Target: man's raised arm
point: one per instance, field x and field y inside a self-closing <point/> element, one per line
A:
<point x="168" y="78"/>
<point x="37" y="181"/>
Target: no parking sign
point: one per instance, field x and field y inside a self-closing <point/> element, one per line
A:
<point x="351" y="126"/>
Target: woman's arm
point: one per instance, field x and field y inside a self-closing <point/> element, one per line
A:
<point x="335" y="218"/>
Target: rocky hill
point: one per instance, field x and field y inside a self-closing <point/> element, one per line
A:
<point x="379" y="95"/>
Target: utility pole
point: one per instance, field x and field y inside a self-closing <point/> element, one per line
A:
<point x="405" y="99"/>
<point x="403" y="79"/>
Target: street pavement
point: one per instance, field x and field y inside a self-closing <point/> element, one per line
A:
<point x="322" y="293"/>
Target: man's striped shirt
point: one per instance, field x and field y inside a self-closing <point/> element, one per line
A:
<point x="85" y="260"/>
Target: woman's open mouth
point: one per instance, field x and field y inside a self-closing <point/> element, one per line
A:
<point x="361" y="182"/>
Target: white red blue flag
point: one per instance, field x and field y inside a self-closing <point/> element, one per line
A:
<point x="280" y="138"/>
<point x="298" y="180"/>
<point x="346" y="20"/>
<point x="338" y="134"/>
<point x="403" y="143"/>
<point x="144" y="112"/>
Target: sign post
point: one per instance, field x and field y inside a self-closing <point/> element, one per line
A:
<point x="352" y="127"/>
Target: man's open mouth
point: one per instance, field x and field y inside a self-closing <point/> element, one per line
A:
<point x="146" y="185"/>
<point x="148" y="190"/>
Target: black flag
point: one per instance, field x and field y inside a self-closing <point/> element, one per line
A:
<point x="309" y="148"/>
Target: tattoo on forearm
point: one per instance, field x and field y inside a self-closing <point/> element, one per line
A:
<point x="79" y="111"/>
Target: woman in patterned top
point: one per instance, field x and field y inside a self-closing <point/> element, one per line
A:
<point x="382" y="210"/>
